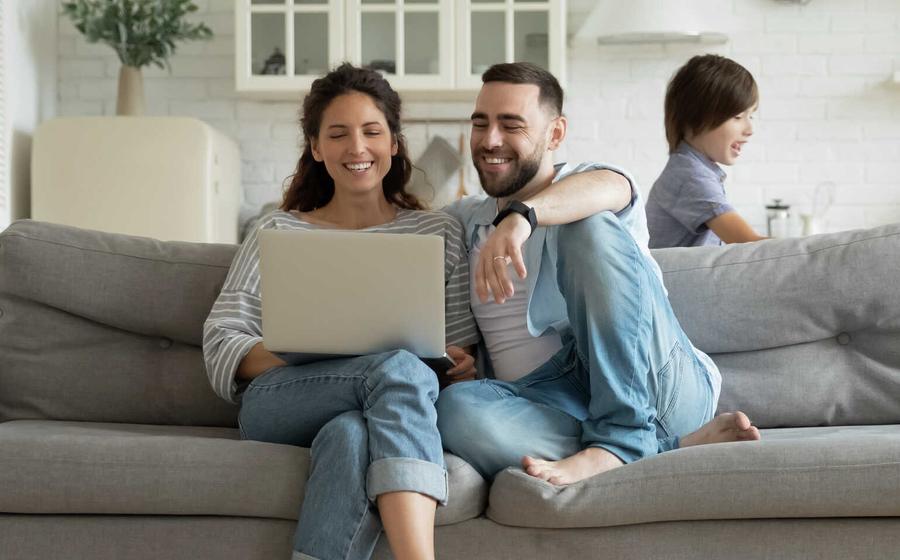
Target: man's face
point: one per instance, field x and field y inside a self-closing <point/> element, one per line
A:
<point x="510" y="136"/>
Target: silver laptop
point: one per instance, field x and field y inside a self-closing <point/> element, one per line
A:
<point x="329" y="294"/>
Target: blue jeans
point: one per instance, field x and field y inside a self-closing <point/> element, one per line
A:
<point x="370" y="424"/>
<point x="625" y="380"/>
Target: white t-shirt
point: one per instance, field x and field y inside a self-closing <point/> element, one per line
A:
<point x="514" y="351"/>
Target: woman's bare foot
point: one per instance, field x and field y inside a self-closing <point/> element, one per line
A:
<point x="729" y="426"/>
<point x="584" y="464"/>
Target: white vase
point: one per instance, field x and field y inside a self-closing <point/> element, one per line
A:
<point x="130" y="101"/>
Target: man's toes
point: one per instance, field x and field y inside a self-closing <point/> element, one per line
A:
<point x="742" y="421"/>
<point x="529" y="463"/>
<point x="544" y="474"/>
<point x="537" y="468"/>
<point x="750" y="434"/>
<point x="720" y="425"/>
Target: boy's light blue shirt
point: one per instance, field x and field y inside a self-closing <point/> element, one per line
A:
<point x="546" y="306"/>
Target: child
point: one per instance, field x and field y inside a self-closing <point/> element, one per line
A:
<point x="709" y="111"/>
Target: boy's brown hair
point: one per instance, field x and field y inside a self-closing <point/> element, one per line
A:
<point x="704" y="93"/>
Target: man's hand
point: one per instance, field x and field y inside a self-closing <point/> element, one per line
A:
<point x="502" y="247"/>
<point x="465" y="365"/>
<point x="572" y="198"/>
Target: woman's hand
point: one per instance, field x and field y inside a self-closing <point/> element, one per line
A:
<point x="257" y="361"/>
<point x="465" y="365"/>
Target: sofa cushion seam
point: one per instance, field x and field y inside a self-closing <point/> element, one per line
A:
<point x="813" y="252"/>
<point x="113" y="253"/>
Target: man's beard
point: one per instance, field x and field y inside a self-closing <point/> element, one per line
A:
<point x="525" y="171"/>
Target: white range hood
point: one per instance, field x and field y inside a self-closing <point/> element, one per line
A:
<point x="647" y="21"/>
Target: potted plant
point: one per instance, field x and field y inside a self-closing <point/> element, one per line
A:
<point x="141" y="32"/>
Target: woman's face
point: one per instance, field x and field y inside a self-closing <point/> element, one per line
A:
<point x="354" y="143"/>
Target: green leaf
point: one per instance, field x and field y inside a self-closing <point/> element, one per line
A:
<point x="142" y="32"/>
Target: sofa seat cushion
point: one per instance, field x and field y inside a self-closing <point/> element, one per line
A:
<point x="793" y="472"/>
<point x="92" y="468"/>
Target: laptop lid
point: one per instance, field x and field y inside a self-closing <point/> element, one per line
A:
<point x="352" y="293"/>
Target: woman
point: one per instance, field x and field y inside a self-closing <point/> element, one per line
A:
<point x="370" y="421"/>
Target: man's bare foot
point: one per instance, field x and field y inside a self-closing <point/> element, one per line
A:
<point x="729" y="426"/>
<point x="584" y="464"/>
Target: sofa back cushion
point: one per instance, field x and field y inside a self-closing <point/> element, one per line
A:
<point x="106" y="327"/>
<point x="805" y="331"/>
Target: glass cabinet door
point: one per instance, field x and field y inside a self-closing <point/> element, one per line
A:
<point x="420" y="45"/>
<point x="496" y="31"/>
<point x="410" y="41"/>
<point x="268" y="32"/>
<point x="378" y="41"/>
<point x="488" y="39"/>
<point x="285" y="44"/>
<point x="311" y="43"/>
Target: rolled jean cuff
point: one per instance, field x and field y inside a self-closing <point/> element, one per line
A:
<point x="624" y="454"/>
<point x="402" y="474"/>
<point x="300" y="556"/>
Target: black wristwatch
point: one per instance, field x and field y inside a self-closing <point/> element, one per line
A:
<point x="526" y="211"/>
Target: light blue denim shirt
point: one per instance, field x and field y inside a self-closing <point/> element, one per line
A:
<point x="689" y="192"/>
<point x="546" y="306"/>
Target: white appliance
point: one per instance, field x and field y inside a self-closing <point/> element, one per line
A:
<point x="170" y="178"/>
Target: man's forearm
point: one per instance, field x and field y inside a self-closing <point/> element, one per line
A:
<point x="580" y="195"/>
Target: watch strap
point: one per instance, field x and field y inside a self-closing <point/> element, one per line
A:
<point x="520" y="208"/>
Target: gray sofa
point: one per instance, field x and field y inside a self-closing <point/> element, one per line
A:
<point x="112" y="444"/>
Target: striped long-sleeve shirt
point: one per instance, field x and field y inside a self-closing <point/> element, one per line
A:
<point x="234" y="324"/>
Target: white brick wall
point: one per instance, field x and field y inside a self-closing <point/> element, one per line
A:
<point x="828" y="110"/>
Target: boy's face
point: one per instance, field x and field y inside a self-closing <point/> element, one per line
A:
<point x="723" y="144"/>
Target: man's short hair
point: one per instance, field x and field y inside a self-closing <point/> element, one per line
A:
<point x="704" y="93"/>
<point x="551" y="94"/>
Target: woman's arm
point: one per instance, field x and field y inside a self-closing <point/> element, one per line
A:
<point x="460" y="323"/>
<point x="257" y="361"/>
<point x="234" y="325"/>
<point x="732" y="228"/>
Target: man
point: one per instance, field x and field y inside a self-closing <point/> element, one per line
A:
<point x="613" y="378"/>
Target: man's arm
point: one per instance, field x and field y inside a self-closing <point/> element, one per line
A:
<point x="580" y="195"/>
<point x="570" y="199"/>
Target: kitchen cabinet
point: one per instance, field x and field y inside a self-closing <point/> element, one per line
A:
<point x="420" y="45"/>
<point x="283" y="45"/>
<point x="492" y="31"/>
